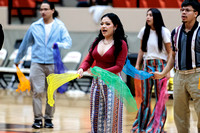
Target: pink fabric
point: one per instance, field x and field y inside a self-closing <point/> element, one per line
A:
<point x="160" y="103"/>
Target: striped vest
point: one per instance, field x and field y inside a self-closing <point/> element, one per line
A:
<point x="176" y="45"/>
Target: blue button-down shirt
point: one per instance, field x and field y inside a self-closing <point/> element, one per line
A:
<point x="35" y="37"/>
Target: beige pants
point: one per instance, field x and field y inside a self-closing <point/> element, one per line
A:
<point x="38" y="74"/>
<point x="185" y="88"/>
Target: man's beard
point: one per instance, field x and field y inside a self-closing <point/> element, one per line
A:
<point x="183" y="21"/>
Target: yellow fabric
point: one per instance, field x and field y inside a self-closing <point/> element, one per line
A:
<point x="170" y="84"/>
<point x="55" y="81"/>
<point x="24" y="83"/>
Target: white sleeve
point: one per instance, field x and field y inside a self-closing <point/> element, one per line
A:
<point x="166" y="35"/>
<point x="141" y="33"/>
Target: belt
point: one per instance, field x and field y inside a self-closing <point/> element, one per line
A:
<point x="189" y="71"/>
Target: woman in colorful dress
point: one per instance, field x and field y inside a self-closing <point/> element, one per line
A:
<point x="109" y="51"/>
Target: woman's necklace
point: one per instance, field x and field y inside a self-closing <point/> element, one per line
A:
<point x="106" y="42"/>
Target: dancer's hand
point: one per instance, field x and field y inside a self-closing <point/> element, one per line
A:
<point x="137" y="67"/>
<point x="158" y="75"/>
<point x="80" y="72"/>
<point x="168" y="75"/>
<point x="89" y="71"/>
<point x="55" y="45"/>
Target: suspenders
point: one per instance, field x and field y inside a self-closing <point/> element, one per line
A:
<point x="176" y="40"/>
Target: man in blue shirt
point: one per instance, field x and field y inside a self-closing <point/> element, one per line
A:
<point x="42" y="35"/>
<point x="186" y="58"/>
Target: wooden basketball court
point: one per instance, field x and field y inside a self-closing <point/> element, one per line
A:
<point x="71" y="116"/>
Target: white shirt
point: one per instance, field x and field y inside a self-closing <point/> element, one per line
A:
<point x="152" y="44"/>
<point x="47" y="31"/>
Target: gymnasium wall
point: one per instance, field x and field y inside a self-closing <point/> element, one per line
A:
<point x="83" y="29"/>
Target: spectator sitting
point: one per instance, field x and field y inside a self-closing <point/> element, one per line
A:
<point x="83" y="3"/>
<point x="98" y="8"/>
<point x="102" y="2"/>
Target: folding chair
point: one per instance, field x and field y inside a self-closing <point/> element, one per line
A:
<point x="72" y="61"/>
<point x="11" y="58"/>
<point x="14" y="53"/>
<point x="3" y="56"/>
<point x="26" y="62"/>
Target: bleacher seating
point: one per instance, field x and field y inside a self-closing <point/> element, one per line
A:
<point x="148" y="3"/>
<point x="23" y="8"/>
<point x="54" y="1"/>
<point x="160" y="3"/>
<point x="124" y="3"/>
<point x="20" y="8"/>
<point x="3" y="2"/>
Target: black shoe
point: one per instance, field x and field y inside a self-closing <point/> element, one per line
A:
<point x="37" y="124"/>
<point x="48" y="123"/>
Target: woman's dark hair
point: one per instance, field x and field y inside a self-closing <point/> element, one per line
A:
<point x="118" y="35"/>
<point x="52" y="6"/>
<point x="1" y="36"/>
<point x="194" y="3"/>
<point x="158" y="24"/>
